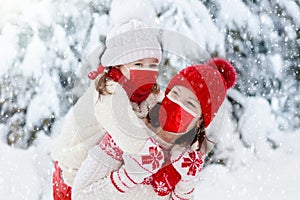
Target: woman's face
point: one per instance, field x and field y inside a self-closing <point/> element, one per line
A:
<point x="183" y="96"/>
<point x="186" y="97"/>
<point x="150" y="63"/>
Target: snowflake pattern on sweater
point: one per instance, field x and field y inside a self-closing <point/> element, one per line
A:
<point x="108" y="145"/>
<point x="164" y="181"/>
<point x="153" y="158"/>
<point x="193" y="163"/>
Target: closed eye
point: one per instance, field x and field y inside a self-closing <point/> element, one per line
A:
<point x="153" y="66"/>
<point x="191" y="104"/>
<point x="175" y="92"/>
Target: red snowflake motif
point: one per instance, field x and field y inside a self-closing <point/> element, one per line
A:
<point x="154" y="158"/>
<point x="108" y="145"/>
<point x="105" y="141"/>
<point x="193" y="163"/>
<point x="118" y="152"/>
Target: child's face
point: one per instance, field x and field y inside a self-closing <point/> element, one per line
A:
<point x="151" y="63"/>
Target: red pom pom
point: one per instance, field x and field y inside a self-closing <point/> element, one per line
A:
<point x="93" y="74"/>
<point x="226" y="69"/>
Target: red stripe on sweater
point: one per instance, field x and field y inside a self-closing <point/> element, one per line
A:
<point x="114" y="183"/>
<point x="118" y="173"/>
<point x="147" y="170"/>
<point x="176" y="195"/>
<point x="129" y="177"/>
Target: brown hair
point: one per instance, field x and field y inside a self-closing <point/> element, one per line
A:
<point x="196" y="135"/>
<point x="200" y="136"/>
<point x="102" y="83"/>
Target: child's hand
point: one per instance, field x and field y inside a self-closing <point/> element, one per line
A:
<point x="138" y="166"/>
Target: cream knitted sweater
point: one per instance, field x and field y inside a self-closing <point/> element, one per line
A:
<point x="93" y="179"/>
<point x="87" y="122"/>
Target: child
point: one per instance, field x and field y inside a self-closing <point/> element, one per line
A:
<point x="160" y="170"/>
<point x="131" y="58"/>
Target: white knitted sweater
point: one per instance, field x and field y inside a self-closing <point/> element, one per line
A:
<point x="93" y="180"/>
<point x="87" y="122"/>
<point x="79" y="155"/>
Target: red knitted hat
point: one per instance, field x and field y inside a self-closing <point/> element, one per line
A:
<point x="209" y="82"/>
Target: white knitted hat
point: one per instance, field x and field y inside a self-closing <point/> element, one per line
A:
<point x="130" y="42"/>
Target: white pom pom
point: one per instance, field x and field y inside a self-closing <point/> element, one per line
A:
<point x="123" y="11"/>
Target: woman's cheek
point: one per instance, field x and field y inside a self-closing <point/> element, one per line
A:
<point x="192" y="124"/>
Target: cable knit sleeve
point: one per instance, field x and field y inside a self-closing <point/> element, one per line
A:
<point x="188" y="164"/>
<point x="184" y="190"/>
<point x="92" y="179"/>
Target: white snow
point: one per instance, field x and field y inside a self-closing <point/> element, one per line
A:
<point x="193" y="21"/>
<point x="31" y="65"/>
<point x="292" y="9"/>
<point x="95" y="47"/>
<point x="278" y="177"/>
<point x="277" y="64"/>
<point x="203" y="30"/>
<point x="45" y="103"/>
<point x="123" y="11"/>
<point x="30" y="10"/>
<point x="26" y="174"/>
<point x="8" y="40"/>
<point x="257" y="121"/>
<point x="3" y="132"/>
<point x="236" y="15"/>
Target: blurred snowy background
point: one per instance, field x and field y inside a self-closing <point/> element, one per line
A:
<point x="43" y="46"/>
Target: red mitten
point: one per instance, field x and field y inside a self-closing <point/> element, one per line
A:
<point x="138" y="166"/>
<point x="164" y="181"/>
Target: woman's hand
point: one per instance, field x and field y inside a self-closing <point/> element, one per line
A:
<point x="187" y="162"/>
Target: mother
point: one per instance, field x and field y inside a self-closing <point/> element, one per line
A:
<point x="160" y="170"/>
